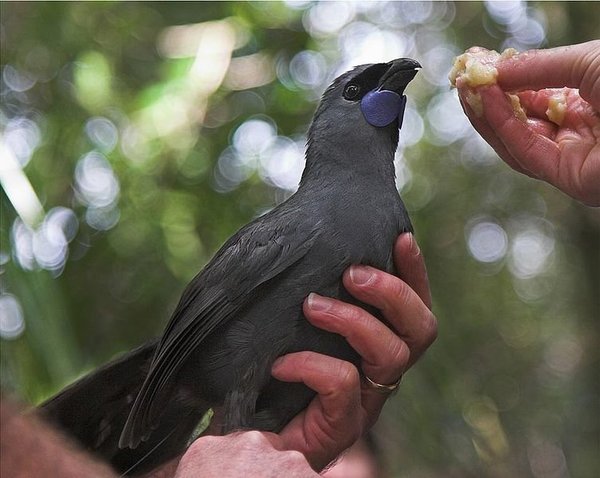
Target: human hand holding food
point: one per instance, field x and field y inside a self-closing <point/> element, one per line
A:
<point x="550" y="127"/>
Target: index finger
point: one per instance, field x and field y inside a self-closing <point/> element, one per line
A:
<point x="574" y="66"/>
<point x="411" y="266"/>
<point x="531" y="150"/>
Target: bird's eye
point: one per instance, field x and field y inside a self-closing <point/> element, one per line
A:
<point x="351" y="92"/>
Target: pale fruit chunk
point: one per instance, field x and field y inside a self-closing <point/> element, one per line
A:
<point x="517" y="107"/>
<point x="474" y="101"/>
<point x="477" y="67"/>
<point x="557" y="107"/>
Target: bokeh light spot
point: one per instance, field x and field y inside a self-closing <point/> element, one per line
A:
<point x="413" y="127"/>
<point x="487" y="241"/>
<point x="253" y="137"/>
<point x="22" y="247"/>
<point x="50" y="246"/>
<point x="308" y="69"/>
<point x="102" y="218"/>
<point x="283" y="165"/>
<point x="326" y="18"/>
<point x="22" y="136"/>
<point x="547" y="460"/>
<point x="12" y="324"/>
<point x="102" y="132"/>
<point x="95" y="180"/>
<point x="16" y="80"/>
<point x="446" y="118"/>
<point x="530" y="253"/>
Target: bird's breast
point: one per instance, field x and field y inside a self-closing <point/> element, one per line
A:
<point x="366" y="227"/>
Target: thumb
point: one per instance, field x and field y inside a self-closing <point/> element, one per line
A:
<point x="574" y="66"/>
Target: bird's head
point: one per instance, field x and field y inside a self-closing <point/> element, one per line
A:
<point x="362" y="109"/>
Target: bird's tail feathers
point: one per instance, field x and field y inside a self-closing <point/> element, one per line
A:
<point x="94" y="410"/>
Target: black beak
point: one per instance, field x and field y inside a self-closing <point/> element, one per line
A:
<point x="399" y="74"/>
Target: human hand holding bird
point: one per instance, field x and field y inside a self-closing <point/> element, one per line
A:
<point x="345" y="407"/>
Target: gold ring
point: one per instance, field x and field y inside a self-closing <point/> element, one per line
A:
<point x="381" y="388"/>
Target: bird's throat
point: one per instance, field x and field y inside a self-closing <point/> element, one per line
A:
<point x="369" y="165"/>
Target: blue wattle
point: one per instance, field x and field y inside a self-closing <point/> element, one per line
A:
<point x="381" y="107"/>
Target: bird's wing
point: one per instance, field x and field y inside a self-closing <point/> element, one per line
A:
<point x="253" y="256"/>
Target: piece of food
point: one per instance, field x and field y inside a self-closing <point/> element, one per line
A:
<point x="477" y="67"/>
<point x="517" y="107"/>
<point x="557" y="107"/>
<point x="474" y="101"/>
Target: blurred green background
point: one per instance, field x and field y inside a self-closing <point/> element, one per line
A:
<point x="136" y="137"/>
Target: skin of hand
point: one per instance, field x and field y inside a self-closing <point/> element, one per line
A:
<point x="30" y="447"/>
<point x="566" y="155"/>
<point x="249" y="453"/>
<point x="345" y="406"/>
<point x="342" y="411"/>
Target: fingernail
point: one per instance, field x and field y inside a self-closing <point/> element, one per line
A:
<point x="277" y="364"/>
<point x="318" y="303"/>
<point x="411" y="240"/>
<point x="360" y="275"/>
<point x="414" y="247"/>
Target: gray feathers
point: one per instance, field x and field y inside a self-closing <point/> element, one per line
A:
<point x="255" y="255"/>
<point x="245" y="308"/>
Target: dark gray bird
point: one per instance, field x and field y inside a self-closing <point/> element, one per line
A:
<point x="244" y="309"/>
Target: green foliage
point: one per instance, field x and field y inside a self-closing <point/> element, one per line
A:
<point x="161" y="128"/>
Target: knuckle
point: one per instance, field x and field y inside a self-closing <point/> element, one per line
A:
<point x="255" y="437"/>
<point x="354" y="321"/>
<point x="430" y="328"/>
<point x="399" y="354"/>
<point x="586" y="73"/>
<point x="203" y="442"/>
<point x="347" y="376"/>
<point x="402" y="292"/>
<point x="295" y="457"/>
<point x="385" y="291"/>
<point x="351" y="313"/>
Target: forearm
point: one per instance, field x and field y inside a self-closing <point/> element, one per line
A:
<point x="30" y="448"/>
